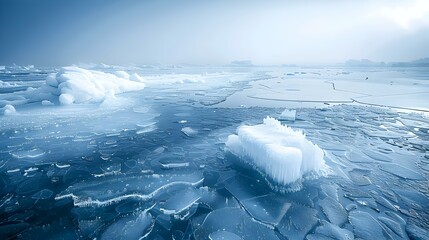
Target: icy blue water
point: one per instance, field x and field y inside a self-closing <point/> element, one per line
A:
<point x="155" y="165"/>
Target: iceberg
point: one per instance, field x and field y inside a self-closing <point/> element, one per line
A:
<point x="277" y="151"/>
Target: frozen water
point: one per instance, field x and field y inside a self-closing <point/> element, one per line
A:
<point x="223" y="235"/>
<point x="181" y="201"/>
<point x="298" y="221"/>
<point x="334" y="211"/>
<point x="401" y="171"/>
<point x="333" y="232"/>
<point x="365" y="226"/>
<point x="288" y="114"/>
<point x="276" y="150"/>
<point x="135" y="226"/>
<point x="189" y="131"/>
<point x="152" y="163"/>
<point x="234" y="221"/>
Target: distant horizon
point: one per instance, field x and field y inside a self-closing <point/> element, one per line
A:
<point x="231" y="63"/>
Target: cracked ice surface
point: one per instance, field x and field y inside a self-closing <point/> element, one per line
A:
<point x="153" y="164"/>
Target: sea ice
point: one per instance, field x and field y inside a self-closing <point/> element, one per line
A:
<point x="189" y="131"/>
<point x="365" y="226"/>
<point x="223" y="235"/>
<point x="181" y="201"/>
<point x="276" y="150"/>
<point x="235" y="221"/>
<point x="136" y="226"/>
<point x="334" y="211"/>
<point x="288" y="115"/>
<point x="332" y="231"/>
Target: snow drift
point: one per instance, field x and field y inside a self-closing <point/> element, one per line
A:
<point x="76" y="85"/>
<point x="279" y="152"/>
<point x="8" y="110"/>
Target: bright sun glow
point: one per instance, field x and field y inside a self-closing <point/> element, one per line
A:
<point x="407" y="16"/>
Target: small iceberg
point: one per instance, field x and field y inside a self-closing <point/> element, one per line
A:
<point x="277" y="151"/>
<point x="288" y="114"/>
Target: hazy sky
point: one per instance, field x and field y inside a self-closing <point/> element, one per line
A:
<point x="61" y="32"/>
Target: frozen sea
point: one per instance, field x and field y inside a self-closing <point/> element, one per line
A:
<point x="148" y="160"/>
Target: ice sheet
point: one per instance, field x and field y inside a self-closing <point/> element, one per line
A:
<point x="91" y="169"/>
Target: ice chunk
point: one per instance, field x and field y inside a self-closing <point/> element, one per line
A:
<point x="43" y="194"/>
<point x="181" y="201"/>
<point x="8" y="110"/>
<point x="401" y="172"/>
<point x="132" y="227"/>
<point x="136" y="78"/>
<point x="223" y="235"/>
<point x="47" y="103"/>
<point x="359" y="177"/>
<point x="365" y="226"/>
<point x="189" y="131"/>
<point x="416" y="232"/>
<point x="276" y="150"/>
<point x="334" y="232"/>
<point x="393" y="226"/>
<point x="334" y="211"/>
<point x="288" y="115"/>
<point x="233" y="220"/>
<point x="268" y="209"/>
<point x="413" y="197"/>
<point x="122" y="74"/>
<point x="298" y="221"/>
<point x="257" y="201"/>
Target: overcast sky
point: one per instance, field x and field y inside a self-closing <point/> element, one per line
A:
<point x="62" y="32"/>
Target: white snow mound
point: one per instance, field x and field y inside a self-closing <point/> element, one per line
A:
<point x="73" y="85"/>
<point x="78" y="85"/>
<point x="8" y="110"/>
<point x="277" y="150"/>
